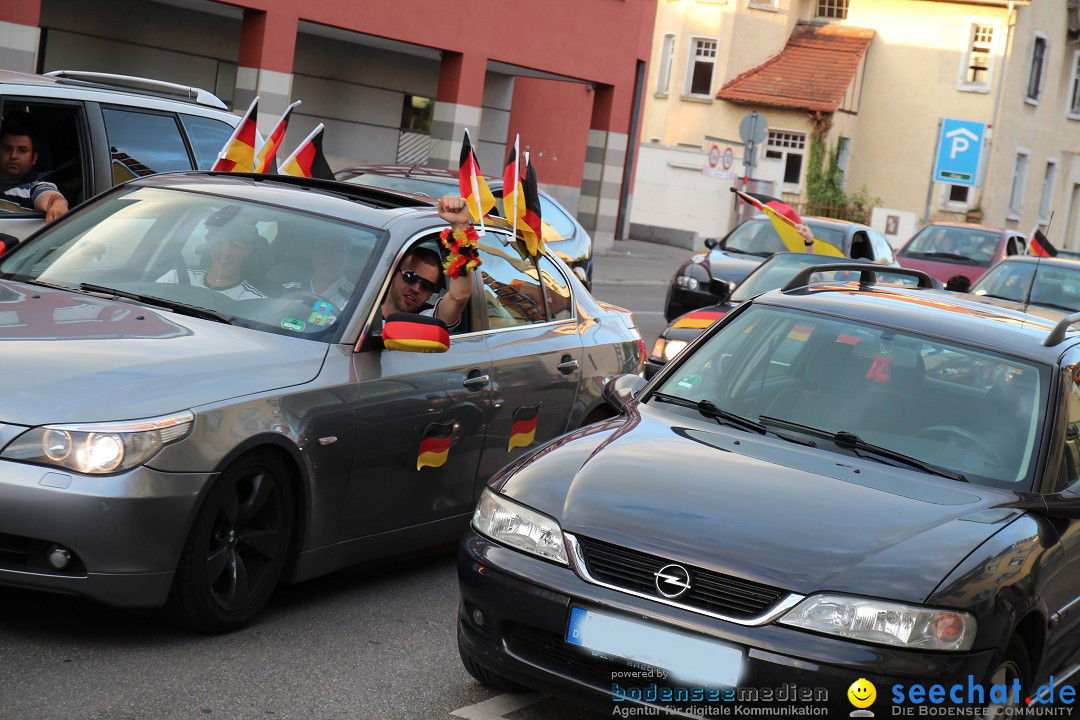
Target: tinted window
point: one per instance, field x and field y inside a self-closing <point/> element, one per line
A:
<point x="1054" y="287"/>
<point x="512" y="292"/>
<point x="556" y="291"/>
<point x="143" y="143"/>
<point x="207" y="137"/>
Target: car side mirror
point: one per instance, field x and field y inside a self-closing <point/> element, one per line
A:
<point x="721" y="289"/>
<point x="1064" y="505"/>
<point x="620" y="391"/>
<point x="8" y="243"/>
<point x="710" y="243"/>
<point x="406" y="332"/>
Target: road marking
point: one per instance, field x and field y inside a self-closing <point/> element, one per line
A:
<point x="497" y="707"/>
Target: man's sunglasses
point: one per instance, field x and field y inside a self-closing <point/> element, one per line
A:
<point x="412" y="278"/>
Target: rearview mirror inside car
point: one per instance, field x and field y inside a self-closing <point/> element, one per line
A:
<point x="406" y="332"/>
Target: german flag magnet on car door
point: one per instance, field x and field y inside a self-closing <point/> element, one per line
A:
<point x="435" y="445"/>
<point x="523" y="431"/>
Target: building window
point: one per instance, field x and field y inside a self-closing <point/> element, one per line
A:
<point x="702" y="62"/>
<point x="959" y="194"/>
<point x="1019" y="179"/>
<point x="977" y="67"/>
<point x="836" y="9"/>
<point x="1074" y="88"/>
<point x="1047" y="191"/>
<point x="666" y="53"/>
<point x="1035" y="72"/>
<point x="788" y="148"/>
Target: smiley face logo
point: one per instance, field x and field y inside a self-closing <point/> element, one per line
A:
<point x="862" y="693"/>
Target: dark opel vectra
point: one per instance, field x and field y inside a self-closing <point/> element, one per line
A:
<point x="834" y="482"/>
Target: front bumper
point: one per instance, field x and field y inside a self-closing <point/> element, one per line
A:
<point x="124" y="532"/>
<point x="526" y="603"/>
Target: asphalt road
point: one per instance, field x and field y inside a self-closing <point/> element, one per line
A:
<point x="375" y="641"/>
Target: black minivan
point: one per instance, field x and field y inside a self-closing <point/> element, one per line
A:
<point x="844" y="486"/>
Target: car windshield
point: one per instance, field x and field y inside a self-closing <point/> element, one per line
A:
<point x="948" y="243"/>
<point x="781" y="267"/>
<point x="756" y="236"/>
<point x="960" y="409"/>
<point x="259" y="266"/>
<point x="1054" y="287"/>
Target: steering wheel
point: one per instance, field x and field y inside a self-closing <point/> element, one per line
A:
<point x="964" y="437"/>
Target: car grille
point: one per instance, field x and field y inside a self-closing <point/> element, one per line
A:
<point x="710" y="591"/>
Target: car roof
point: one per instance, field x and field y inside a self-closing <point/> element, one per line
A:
<point x="416" y="172"/>
<point x="971" y="226"/>
<point x="1072" y="263"/>
<point x="817" y="220"/>
<point x="11" y="78"/>
<point x="964" y="318"/>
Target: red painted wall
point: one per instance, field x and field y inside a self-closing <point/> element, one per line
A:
<point x="558" y="148"/>
<point x="21" y="12"/>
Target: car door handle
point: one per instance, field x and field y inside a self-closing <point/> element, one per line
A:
<point x="475" y="382"/>
<point x="568" y="365"/>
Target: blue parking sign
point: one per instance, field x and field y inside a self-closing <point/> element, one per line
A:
<point x="959" y="151"/>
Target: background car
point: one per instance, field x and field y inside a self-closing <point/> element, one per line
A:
<point x="703" y="279"/>
<point x="568" y="239"/>
<point x="238" y="442"/>
<point x="1047" y="282"/>
<point x="96" y="130"/>
<point x="809" y="495"/>
<point x="943" y="250"/>
<point x="769" y="275"/>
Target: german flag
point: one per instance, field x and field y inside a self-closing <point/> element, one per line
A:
<point x="699" y="319"/>
<point x="238" y="154"/>
<point x="435" y="446"/>
<point x="471" y="182"/>
<point x="513" y="194"/>
<point x="532" y="225"/>
<point x="266" y="160"/>
<point x="784" y="219"/>
<point x="523" y="431"/>
<point x="307" y="160"/>
<point x="415" y="333"/>
<point x="1040" y="246"/>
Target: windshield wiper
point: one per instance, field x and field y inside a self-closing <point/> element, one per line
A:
<point x="182" y="308"/>
<point x="755" y="253"/>
<point x="947" y="256"/>
<point x="709" y="410"/>
<point x="854" y="443"/>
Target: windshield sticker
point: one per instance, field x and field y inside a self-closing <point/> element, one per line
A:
<point x="294" y="324"/>
<point x="690" y="381"/>
<point x="800" y="333"/>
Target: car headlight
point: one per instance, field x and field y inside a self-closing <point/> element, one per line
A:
<point x="99" y="448"/>
<point x="687" y="283"/>
<point x="693" y="276"/>
<point x="887" y="623"/>
<point x="673" y="348"/>
<point x="519" y="527"/>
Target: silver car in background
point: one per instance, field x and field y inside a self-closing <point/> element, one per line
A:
<point x="163" y="443"/>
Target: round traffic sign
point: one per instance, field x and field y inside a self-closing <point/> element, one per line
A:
<point x="714" y="156"/>
<point x="729" y="158"/>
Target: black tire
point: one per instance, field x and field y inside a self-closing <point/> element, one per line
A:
<point x="236" y="550"/>
<point x="483" y="675"/>
<point x="1015" y="663"/>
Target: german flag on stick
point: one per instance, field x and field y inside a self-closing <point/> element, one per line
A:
<point x="784" y="219"/>
<point x="1040" y="246"/>
<point x="434" y="446"/>
<point x="531" y="223"/>
<point x="472" y="184"/>
<point x="238" y="153"/>
<point x="513" y="196"/>
<point x="307" y="160"/>
<point x="266" y="161"/>
<point x="523" y="431"/>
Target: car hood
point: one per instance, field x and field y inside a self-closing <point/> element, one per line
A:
<point x="732" y="267"/>
<point x="69" y="357"/>
<point x="762" y="509"/>
<point x="942" y="269"/>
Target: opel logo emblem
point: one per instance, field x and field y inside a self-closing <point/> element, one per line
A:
<point x="672" y="580"/>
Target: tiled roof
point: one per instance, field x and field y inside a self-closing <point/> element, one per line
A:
<point x="813" y="72"/>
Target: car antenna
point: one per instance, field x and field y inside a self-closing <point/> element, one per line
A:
<point x="424" y="160"/>
<point x="1031" y="285"/>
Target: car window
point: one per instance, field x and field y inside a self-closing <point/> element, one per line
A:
<point x="207" y="137"/>
<point x="967" y="410"/>
<point x="143" y="143"/>
<point x="58" y="141"/>
<point x="1006" y="280"/>
<point x="1072" y="433"/>
<point x="512" y="293"/>
<point x="949" y="243"/>
<point x="830" y="234"/>
<point x="556" y="291"/>
<point x="557" y="224"/>
<point x="210" y="252"/>
<point x="882" y="250"/>
<point x="755" y="237"/>
<point x="1054" y="286"/>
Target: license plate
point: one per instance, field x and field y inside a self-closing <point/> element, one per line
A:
<point x="686" y="657"/>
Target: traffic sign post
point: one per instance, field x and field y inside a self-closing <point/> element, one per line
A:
<point x="714" y="156"/>
<point x="729" y="158"/>
<point x="753" y="130"/>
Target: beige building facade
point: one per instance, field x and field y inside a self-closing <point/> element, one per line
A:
<point x="880" y="75"/>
